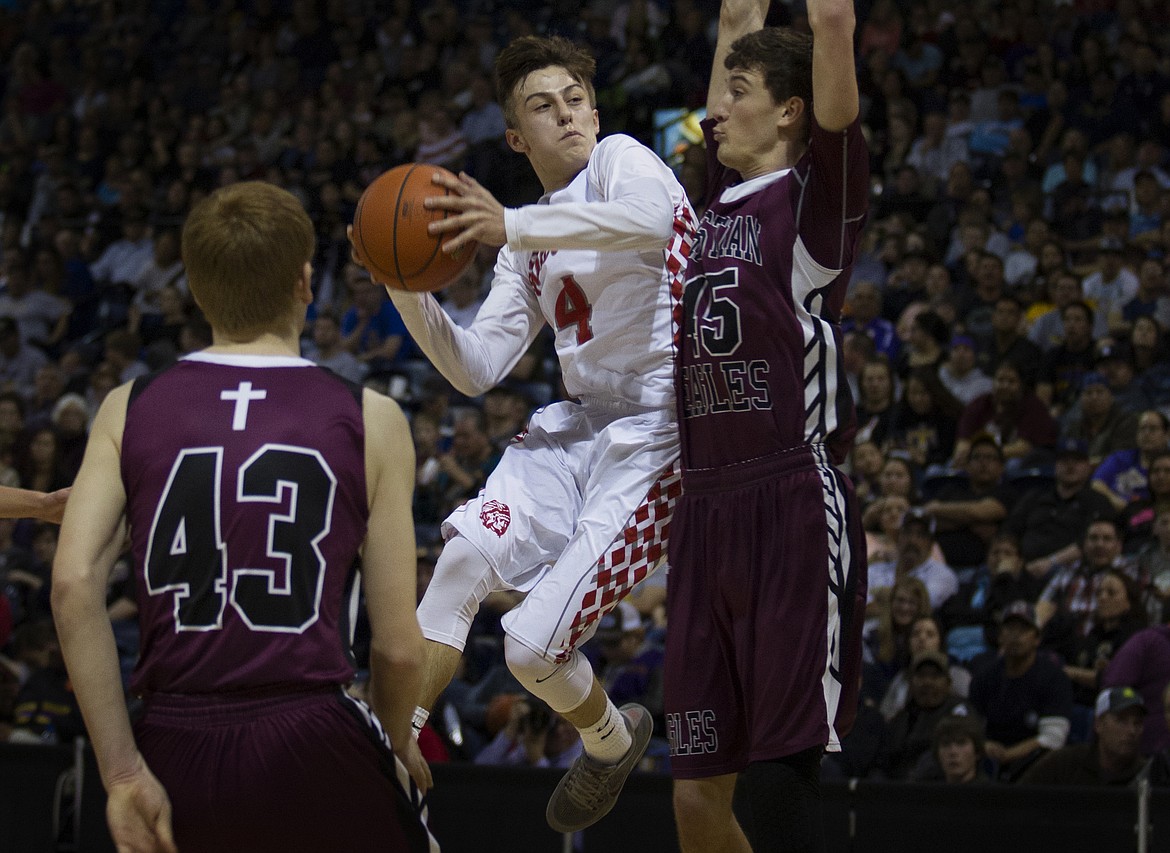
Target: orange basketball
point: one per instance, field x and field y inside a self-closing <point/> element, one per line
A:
<point x="390" y="231"/>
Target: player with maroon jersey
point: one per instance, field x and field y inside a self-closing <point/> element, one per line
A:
<point x="767" y="579"/>
<point x="250" y="480"/>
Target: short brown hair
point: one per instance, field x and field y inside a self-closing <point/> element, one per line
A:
<point x="532" y="53"/>
<point x="244" y="247"/>
<point x="783" y="56"/>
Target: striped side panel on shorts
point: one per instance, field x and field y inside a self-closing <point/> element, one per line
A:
<point x="632" y="555"/>
<point x="839" y="587"/>
<point x="373" y="726"/>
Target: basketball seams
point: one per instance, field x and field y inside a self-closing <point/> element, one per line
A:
<point x="394" y="225"/>
<point x="413" y="265"/>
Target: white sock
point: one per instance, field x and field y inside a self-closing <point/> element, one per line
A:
<point x="608" y="740"/>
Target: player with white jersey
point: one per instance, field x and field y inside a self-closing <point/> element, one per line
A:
<point x="578" y="510"/>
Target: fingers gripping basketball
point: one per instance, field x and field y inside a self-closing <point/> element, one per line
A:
<point x="390" y="231"/>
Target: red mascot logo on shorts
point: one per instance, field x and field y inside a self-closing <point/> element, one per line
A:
<point x="495" y="517"/>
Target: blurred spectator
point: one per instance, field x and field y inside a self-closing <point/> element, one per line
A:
<point x="875" y="407"/>
<point x="1112" y="757"/>
<point x="925" y="636"/>
<point x="1011" y="413"/>
<point x="967" y="512"/>
<point x="1065" y="609"/>
<point x="465" y="467"/>
<point x="372" y="329"/>
<point x="910" y="732"/>
<point x="958" y="748"/>
<point x="925" y="419"/>
<point x="913" y="559"/>
<point x="1098" y="420"/>
<point x="1110" y="286"/>
<point x="1006" y="342"/>
<point x="1150" y="300"/>
<point x="41" y="317"/>
<point x="1123" y="475"/>
<point x="863" y="314"/>
<point x="327" y="349"/>
<point x="1144" y="664"/>
<point x="19" y="361"/>
<point x="1065" y="365"/>
<point x="1025" y="697"/>
<point x="1050" y="520"/>
<point x="959" y="373"/>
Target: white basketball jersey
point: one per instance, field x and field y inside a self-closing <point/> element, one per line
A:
<point x="613" y="311"/>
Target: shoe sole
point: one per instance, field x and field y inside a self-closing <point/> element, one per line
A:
<point x="641" y="730"/>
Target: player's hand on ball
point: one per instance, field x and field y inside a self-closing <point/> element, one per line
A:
<point x="478" y="216"/>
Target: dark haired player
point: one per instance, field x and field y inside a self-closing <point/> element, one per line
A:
<point x="767" y="582"/>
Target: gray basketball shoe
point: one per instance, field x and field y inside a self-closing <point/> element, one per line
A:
<point x="589" y="789"/>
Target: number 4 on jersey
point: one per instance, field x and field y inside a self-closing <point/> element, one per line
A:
<point x="573" y="309"/>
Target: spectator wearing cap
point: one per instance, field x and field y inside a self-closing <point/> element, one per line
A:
<point x="958" y="749"/>
<point x="1123" y="476"/>
<point x="1024" y="696"/>
<point x="1111" y="757"/>
<point x="1064" y="365"/>
<point x="19" y="362"/>
<point x="967" y="511"/>
<point x="912" y="558"/>
<point x="1109" y="286"/>
<point x="1144" y="664"/>
<point x="910" y="731"/>
<point x="1098" y="420"/>
<point x="1050" y="519"/>
<point x="1011" y="413"/>
<point x="959" y="373"/>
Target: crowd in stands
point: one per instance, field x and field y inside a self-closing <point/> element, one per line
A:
<point x="1006" y="333"/>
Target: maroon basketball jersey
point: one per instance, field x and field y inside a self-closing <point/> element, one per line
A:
<point x="760" y="357"/>
<point x="246" y="495"/>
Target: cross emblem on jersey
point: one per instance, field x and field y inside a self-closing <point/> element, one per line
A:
<point x="243" y="397"/>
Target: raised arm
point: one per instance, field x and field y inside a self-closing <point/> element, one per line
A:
<point x="736" y="18"/>
<point x="835" y="98"/>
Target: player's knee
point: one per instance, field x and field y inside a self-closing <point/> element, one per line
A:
<point x="785" y="800"/>
<point x="530" y="667"/>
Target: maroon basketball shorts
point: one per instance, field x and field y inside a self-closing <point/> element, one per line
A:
<point x="305" y="771"/>
<point x="765" y="602"/>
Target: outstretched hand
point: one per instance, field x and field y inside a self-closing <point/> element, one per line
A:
<point x="139" y="814"/>
<point x="478" y="218"/>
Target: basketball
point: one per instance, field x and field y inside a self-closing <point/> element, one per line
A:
<point x="390" y="231"/>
